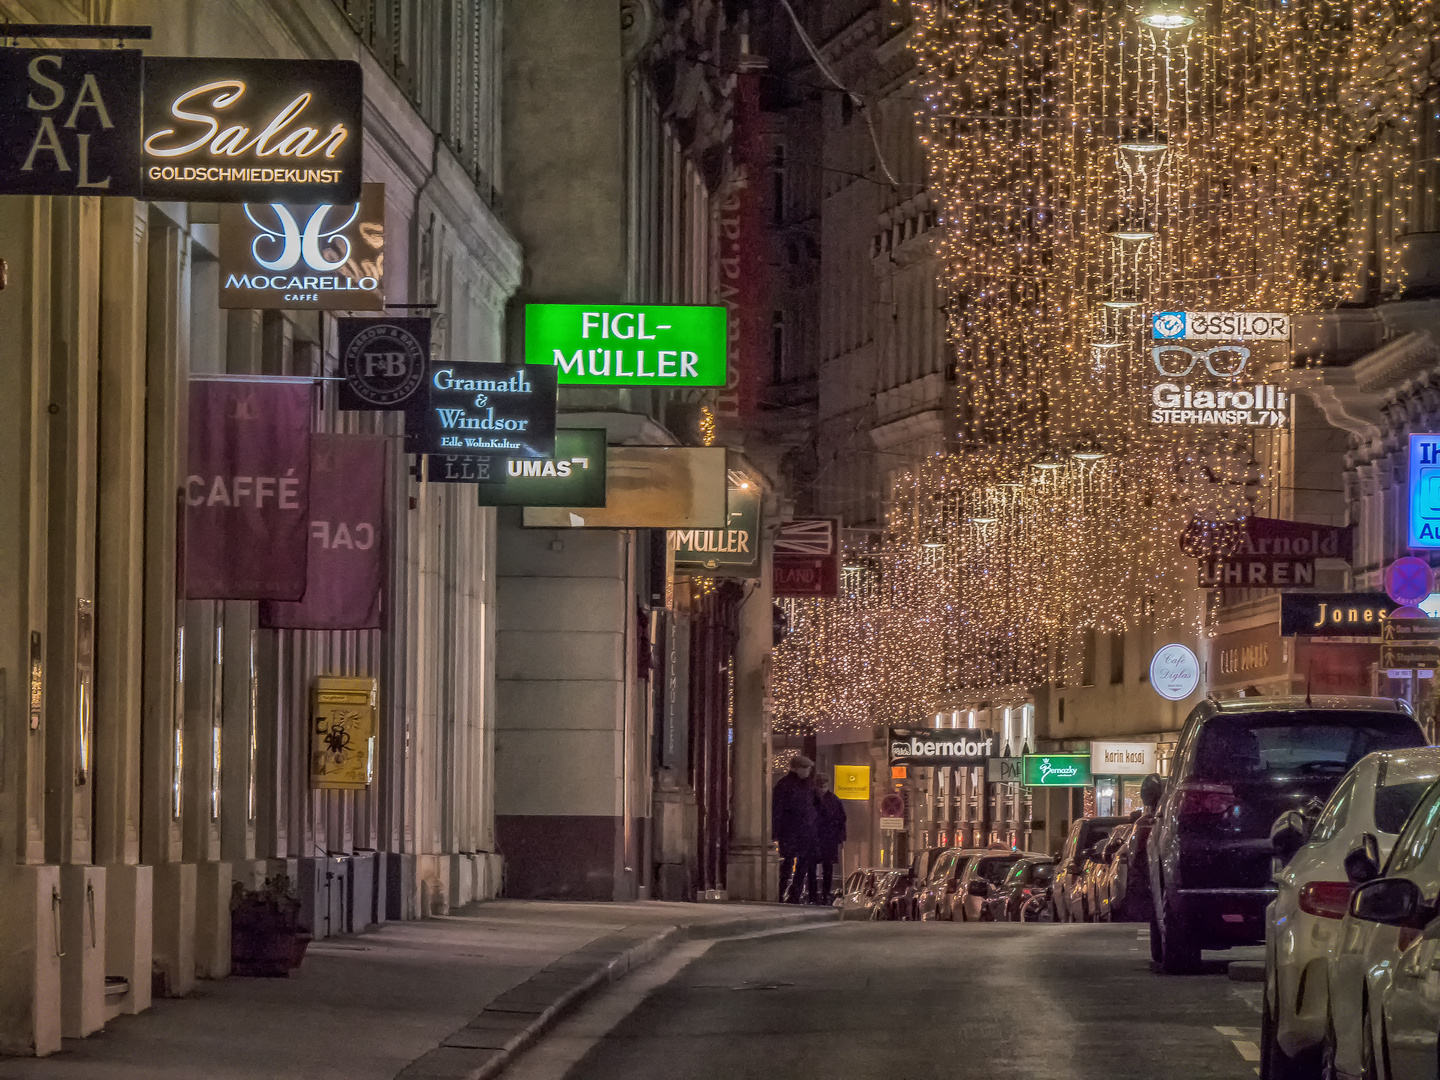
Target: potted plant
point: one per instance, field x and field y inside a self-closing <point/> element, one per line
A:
<point x="265" y="934"/>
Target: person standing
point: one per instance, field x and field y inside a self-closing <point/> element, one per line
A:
<point x="831" y="829"/>
<point x="793" y="821"/>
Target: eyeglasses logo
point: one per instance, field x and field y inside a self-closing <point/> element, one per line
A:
<point x="296" y="243"/>
<point x="1177" y="361"/>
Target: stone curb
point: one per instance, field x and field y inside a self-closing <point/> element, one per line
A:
<point x="485" y="1046"/>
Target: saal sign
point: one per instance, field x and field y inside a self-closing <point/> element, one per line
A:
<point x="226" y="129"/>
<point x="628" y="344"/>
<point x="929" y="746"/>
<point x="383" y="361"/>
<point x="329" y="256"/>
<point x="1214" y="325"/>
<point x="494" y="410"/>
<point x="1058" y="770"/>
<point x="734" y="549"/>
<point x="575" y="476"/>
<point x="70" y="121"/>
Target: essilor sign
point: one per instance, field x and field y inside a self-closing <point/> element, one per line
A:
<point x="248" y="130"/>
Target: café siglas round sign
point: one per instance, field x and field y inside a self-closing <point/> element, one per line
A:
<point x="1174" y="672"/>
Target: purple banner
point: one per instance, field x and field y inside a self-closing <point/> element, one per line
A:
<point x="247" y="490"/>
<point x="347" y="564"/>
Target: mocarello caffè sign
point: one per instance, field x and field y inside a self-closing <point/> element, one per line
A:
<point x="226" y="129"/>
<point x="942" y="746"/>
<point x="326" y="256"/>
<point x="70" y="121"/>
<point x="492" y="410"/>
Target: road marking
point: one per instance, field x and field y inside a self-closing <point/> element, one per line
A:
<point x="1248" y="1050"/>
<point x="1228" y="1032"/>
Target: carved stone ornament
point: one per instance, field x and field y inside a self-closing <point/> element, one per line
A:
<point x="638" y="20"/>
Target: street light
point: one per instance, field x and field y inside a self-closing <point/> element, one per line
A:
<point x="1166" y="15"/>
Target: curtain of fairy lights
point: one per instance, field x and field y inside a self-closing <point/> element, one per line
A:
<point x="1093" y="163"/>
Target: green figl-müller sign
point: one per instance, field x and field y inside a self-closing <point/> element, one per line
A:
<point x="628" y="344"/>
<point x="1057" y="770"/>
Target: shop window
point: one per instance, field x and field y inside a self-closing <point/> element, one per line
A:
<point x="1087" y="659"/>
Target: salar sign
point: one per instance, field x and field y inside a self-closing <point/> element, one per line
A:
<point x="732" y="551"/>
<point x="628" y="344"/>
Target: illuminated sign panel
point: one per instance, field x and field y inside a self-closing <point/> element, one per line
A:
<point x="1424" y="530"/>
<point x="1263" y="405"/>
<point x="491" y="410"/>
<point x="70" y="121"/>
<point x="1057" y="770"/>
<point x="1215" y="325"/>
<point x="224" y="129"/>
<point x="733" y="551"/>
<point x="332" y="257"/>
<point x="628" y="344"/>
<point x="575" y="476"/>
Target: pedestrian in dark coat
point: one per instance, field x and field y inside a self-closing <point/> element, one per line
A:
<point x="793" y="825"/>
<point x="831" y="829"/>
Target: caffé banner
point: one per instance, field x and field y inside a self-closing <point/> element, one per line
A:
<point x="207" y="129"/>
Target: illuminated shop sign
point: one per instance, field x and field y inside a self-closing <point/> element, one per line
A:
<point x="1123" y="758"/>
<point x="1263" y="405"/>
<point x="491" y="410"/>
<point x="70" y="121"/>
<point x="945" y="746"/>
<point x="1174" y="671"/>
<point x="574" y="476"/>
<point x="628" y="344"/>
<point x="223" y="129"/>
<point x="278" y="255"/>
<point x="1334" y="614"/>
<point x="1214" y="325"/>
<point x="1058" y="770"/>
<point x="1424" y="530"/>
<point x="733" y="551"/>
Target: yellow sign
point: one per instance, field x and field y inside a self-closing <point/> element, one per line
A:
<point x="852" y="782"/>
<point x="342" y="732"/>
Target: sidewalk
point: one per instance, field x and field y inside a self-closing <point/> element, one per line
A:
<point x="441" y="998"/>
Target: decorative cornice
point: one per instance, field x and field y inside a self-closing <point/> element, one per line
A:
<point x="1393" y="365"/>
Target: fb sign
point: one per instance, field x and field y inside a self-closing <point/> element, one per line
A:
<point x="1424" y="530"/>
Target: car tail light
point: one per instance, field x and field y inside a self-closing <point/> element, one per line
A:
<point x="1328" y="899"/>
<point x="1201" y="800"/>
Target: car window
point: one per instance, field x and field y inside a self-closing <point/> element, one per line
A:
<point x="1261" y="746"/>
<point x="1041" y="874"/>
<point x="994" y="869"/>
<point x="1336" y="812"/>
<point x="942" y="865"/>
<point x="1393" y="803"/>
<point x="1415" y="837"/>
<point x="962" y="862"/>
<point x="1017" y="872"/>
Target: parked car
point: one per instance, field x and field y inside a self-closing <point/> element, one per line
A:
<point x="892" y="897"/>
<point x="1130" y="899"/>
<point x="1303" y="924"/>
<point x="920" y="868"/>
<point x="937" y="898"/>
<point x="1238" y="766"/>
<point x="1082" y="846"/>
<point x="1024" y="893"/>
<point x="858" y="895"/>
<point x="1099" y="883"/>
<point x="984" y="874"/>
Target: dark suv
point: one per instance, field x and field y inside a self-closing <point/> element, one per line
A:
<point x="1240" y="765"/>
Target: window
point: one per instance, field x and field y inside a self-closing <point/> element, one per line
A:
<point x="1393" y="803"/>
<point x="1414" y="840"/>
<point x="1333" y="818"/>
<point x="777" y="193"/>
<point x="1087" y="660"/>
<point x="1264" y="745"/>
<point x="1117" y="658"/>
<point x="777" y="347"/>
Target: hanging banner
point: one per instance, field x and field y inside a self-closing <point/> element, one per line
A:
<point x="742" y="260"/>
<point x="733" y="551"/>
<point x="492" y="410"/>
<point x="247" y="490"/>
<point x="226" y="129"/>
<point x="575" y="476"/>
<point x="807" y="557"/>
<point x="282" y="255"/>
<point x="649" y="487"/>
<point x="70" y="121"/>
<point x="346" y="558"/>
<point x="383" y="361"/>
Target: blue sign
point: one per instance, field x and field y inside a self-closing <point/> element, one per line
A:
<point x="1167" y="325"/>
<point x="1424" y="531"/>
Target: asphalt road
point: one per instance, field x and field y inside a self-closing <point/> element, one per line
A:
<point x="912" y="1001"/>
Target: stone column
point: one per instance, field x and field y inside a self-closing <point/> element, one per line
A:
<point x="752" y="859"/>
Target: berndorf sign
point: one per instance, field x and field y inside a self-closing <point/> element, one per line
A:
<point x="277" y="255"/>
<point x="222" y="129"/>
<point x="929" y="746"/>
<point x="70" y="121"/>
<point x="493" y="410"/>
<point x="628" y="344"/>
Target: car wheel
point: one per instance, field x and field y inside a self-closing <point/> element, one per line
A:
<point x="1275" y="1064"/>
<point x="1179" y="954"/>
<point x="985" y="915"/>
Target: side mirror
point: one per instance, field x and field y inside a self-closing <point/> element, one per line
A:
<point x="1362" y="863"/>
<point x="978" y="887"/>
<point x="1391" y="901"/>
<point x="1152" y="790"/>
<point x="1289" y="834"/>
